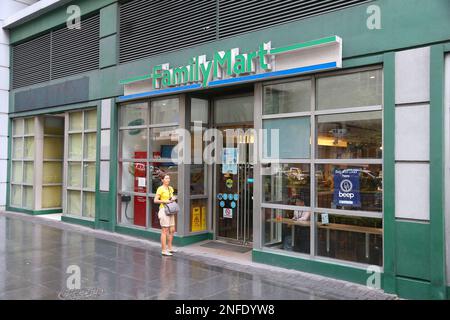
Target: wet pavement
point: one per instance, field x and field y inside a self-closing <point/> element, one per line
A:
<point x="35" y="257"/>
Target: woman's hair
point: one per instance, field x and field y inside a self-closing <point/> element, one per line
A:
<point x="162" y="175"/>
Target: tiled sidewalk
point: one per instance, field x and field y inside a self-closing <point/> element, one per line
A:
<point x="35" y="254"/>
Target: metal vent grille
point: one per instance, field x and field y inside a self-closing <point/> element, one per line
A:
<point x="58" y="54"/>
<point x="150" y="27"/>
<point x="76" y="51"/>
<point x="31" y="62"/>
<point x="239" y="16"/>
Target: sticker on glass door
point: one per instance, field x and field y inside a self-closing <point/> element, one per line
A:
<point x="228" y="213"/>
<point x="230" y="159"/>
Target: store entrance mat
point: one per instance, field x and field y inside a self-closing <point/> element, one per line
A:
<point x="226" y="246"/>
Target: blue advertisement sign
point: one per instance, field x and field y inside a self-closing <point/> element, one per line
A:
<point x="346" y="188"/>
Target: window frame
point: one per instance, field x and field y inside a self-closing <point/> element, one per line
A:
<point x="22" y="185"/>
<point x="82" y="161"/>
<point x="313" y="160"/>
<point x="149" y="195"/>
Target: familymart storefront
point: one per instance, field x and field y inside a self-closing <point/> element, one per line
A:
<point x="281" y="151"/>
<point x="318" y="144"/>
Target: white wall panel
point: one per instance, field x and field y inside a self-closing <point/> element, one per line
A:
<point x="106" y="114"/>
<point x="412" y="133"/>
<point x="4" y="55"/>
<point x="412" y="191"/>
<point x="3" y="170"/>
<point x="2" y="195"/>
<point x="104" y="176"/>
<point x="105" y="145"/>
<point x="4" y="101"/>
<point x="412" y="76"/>
<point x="3" y="124"/>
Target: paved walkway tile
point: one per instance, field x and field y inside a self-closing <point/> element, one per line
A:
<point x="35" y="255"/>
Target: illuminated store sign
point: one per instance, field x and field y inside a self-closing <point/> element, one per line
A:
<point x="233" y="67"/>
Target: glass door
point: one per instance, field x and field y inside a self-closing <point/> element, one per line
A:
<point x="234" y="175"/>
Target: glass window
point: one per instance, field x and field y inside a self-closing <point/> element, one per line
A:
<point x="287" y="184"/>
<point x="165" y="111"/>
<point x="276" y="146"/>
<point x="76" y="121"/>
<point x="197" y="144"/>
<point x="133" y="115"/>
<point x="89" y="204"/>
<point x="28" y="148"/>
<point x="159" y="169"/>
<point x="287" y="97"/>
<point x="81" y="173"/>
<point x="22" y="172"/>
<point x="154" y="209"/>
<point x="90" y="120"/>
<point x="74" y="175"/>
<point x="18" y="127"/>
<point x="75" y="143"/>
<point x="54" y="147"/>
<point x="51" y="197"/>
<point x="198" y="180"/>
<point x="16" y="195"/>
<point x="199" y="215"/>
<point x="356" y="239"/>
<point x="29" y="126"/>
<point x="339" y="133"/>
<point x="138" y="177"/>
<point x="287" y="230"/>
<point x="28" y="197"/>
<point x="16" y="172"/>
<point x="52" y="172"/>
<point x="28" y="174"/>
<point x="232" y="110"/>
<point x="349" y="187"/>
<point x="17" y="148"/>
<point x="199" y="110"/>
<point x="134" y="143"/>
<point x="163" y="142"/>
<point x="54" y="125"/>
<point x="350" y="90"/>
<point x="74" y="202"/>
<point x="133" y="210"/>
<point x="134" y="177"/>
<point x="350" y="136"/>
<point x="89" y="175"/>
<point x="90" y="146"/>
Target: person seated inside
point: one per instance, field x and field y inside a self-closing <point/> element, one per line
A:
<point x="301" y="215"/>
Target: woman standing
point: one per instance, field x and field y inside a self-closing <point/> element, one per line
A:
<point x="164" y="195"/>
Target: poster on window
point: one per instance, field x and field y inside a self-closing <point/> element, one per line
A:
<point x="346" y="188"/>
<point x="229" y="160"/>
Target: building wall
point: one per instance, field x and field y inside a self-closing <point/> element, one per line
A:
<point x="413" y="168"/>
<point x="7" y="8"/>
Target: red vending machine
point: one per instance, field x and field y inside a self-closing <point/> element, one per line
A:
<point x="140" y="185"/>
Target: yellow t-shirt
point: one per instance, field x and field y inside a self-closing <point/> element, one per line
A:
<point x="164" y="194"/>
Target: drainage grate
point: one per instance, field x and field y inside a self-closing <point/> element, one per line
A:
<point x="80" y="294"/>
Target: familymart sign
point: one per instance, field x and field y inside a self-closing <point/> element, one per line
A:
<point x="232" y="66"/>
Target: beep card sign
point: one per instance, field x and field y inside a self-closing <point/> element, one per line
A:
<point x="346" y="188"/>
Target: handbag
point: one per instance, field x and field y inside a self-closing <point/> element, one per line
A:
<point x="171" y="208"/>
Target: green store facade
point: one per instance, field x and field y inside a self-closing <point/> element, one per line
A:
<point x="359" y="93"/>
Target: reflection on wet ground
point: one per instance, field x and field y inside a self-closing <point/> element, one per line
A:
<point x="34" y="260"/>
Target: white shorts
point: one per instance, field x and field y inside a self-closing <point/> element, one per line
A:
<point x="164" y="220"/>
